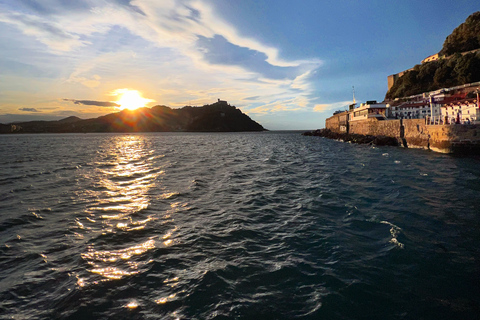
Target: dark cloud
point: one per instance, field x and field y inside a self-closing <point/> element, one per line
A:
<point x="94" y="103"/>
<point x="29" y="109"/>
<point x="218" y="50"/>
<point x="252" y="98"/>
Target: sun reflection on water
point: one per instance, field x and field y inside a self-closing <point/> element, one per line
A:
<point x="124" y="179"/>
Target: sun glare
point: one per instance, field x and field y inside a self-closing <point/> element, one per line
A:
<point x="130" y="99"/>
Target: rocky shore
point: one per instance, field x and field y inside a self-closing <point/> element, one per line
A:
<point x="354" y="138"/>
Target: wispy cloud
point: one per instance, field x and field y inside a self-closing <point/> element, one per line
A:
<point x="252" y="98"/>
<point x="44" y="30"/>
<point x="342" y="105"/>
<point x="194" y="55"/>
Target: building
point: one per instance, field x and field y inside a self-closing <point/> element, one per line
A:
<point x="420" y="106"/>
<point x="464" y="111"/>
<point x="455" y="103"/>
<point x="431" y="58"/>
<point x="369" y="110"/>
<point x="338" y="122"/>
<point x="409" y="110"/>
<point x="391" y="79"/>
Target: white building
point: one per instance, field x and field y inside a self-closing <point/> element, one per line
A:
<point x="410" y="110"/>
<point x="421" y="107"/>
<point x="461" y="111"/>
<point x="368" y="110"/>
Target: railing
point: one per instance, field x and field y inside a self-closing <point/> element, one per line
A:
<point x="442" y="121"/>
<point x="435" y="121"/>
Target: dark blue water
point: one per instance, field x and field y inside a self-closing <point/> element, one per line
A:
<point x="235" y="226"/>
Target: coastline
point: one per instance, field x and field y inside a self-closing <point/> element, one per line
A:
<point x="410" y="133"/>
<point x="353" y="138"/>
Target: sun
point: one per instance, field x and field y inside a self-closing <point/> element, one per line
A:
<point x="130" y="99"/>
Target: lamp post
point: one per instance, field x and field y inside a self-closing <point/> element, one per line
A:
<point x="478" y="103"/>
<point x="478" y="99"/>
<point x="431" y="109"/>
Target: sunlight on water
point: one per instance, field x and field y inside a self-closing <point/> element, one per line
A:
<point x="104" y="262"/>
<point x="132" y="305"/>
<point x="122" y="182"/>
<point x="125" y="254"/>
<point x="127" y="183"/>
<point x="166" y="299"/>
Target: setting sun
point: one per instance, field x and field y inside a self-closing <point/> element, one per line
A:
<point x="130" y="99"/>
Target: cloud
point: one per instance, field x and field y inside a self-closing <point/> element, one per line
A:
<point x="183" y="44"/>
<point x="44" y="30"/>
<point x="84" y="72"/>
<point x="342" y="105"/>
<point x="48" y="7"/>
<point x="179" y="24"/>
<point x="279" y="105"/>
<point x="29" y="109"/>
<point x="218" y="50"/>
<point x="321" y="107"/>
<point x="93" y="103"/>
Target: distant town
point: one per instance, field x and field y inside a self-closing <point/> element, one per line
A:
<point x="444" y="120"/>
<point x="455" y="105"/>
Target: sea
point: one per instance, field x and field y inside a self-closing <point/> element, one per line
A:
<point x="265" y="225"/>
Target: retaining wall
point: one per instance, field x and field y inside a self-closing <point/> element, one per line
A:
<point x="414" y="133"/>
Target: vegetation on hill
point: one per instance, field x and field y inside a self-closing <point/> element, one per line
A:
<point x="464" y="38"/>
<point x="443" y="73"/>
<point x="217" y="117"/>
<point x="455" y="67"/>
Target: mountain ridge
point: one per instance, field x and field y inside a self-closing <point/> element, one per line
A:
<point x="216" y="117"/>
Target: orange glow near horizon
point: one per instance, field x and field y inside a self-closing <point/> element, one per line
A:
<point x="130" y="99"/>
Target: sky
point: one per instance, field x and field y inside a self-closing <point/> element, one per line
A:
<point x="287" y="64"/>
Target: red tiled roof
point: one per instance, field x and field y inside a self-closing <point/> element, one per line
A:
<point x="457" y="102"/>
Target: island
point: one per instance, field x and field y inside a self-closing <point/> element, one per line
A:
<point x="217" y="117"/>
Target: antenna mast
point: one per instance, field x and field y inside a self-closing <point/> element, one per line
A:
<point x="353" y="88"/>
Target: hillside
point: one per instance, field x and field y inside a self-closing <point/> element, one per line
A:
<point x="464" y="38"/>
<point x="217" y="117"/>
<point x="456" y="66"/>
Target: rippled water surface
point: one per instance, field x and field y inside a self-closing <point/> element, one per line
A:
<point x="235" y="226"/>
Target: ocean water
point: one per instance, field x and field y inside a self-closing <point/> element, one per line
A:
<point x="269" y="225"/>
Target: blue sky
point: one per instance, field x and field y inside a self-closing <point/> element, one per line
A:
<point x="287" y="64"/>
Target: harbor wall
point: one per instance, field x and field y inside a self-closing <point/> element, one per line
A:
<point x="338" y="122"/>
<point x="455" y="138"/>
<point x="414" y="133"/>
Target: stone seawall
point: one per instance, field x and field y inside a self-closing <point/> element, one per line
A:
<point x="414" y="133"/>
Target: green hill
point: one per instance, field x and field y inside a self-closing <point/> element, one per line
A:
<point x="464" y="38"/>
<point x="456" y="66"/>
